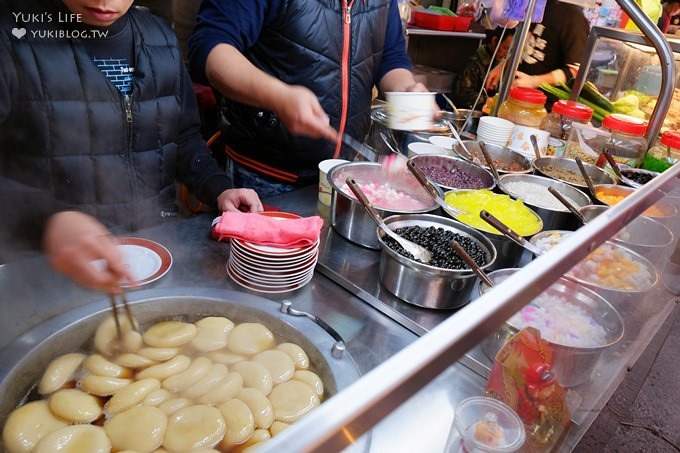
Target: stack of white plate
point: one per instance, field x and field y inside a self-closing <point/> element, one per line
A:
<point x="269" y="269"/>
<point x="494" y="130"/>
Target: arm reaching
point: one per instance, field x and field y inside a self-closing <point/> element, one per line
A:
<point x="235" y="77"/>
<point x="73" y="240"/>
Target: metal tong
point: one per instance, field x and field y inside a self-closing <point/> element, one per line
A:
<point x="128" y="312"/>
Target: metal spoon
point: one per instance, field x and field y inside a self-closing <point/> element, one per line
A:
<point x="431" y="189"/>
<point x="450" y="102"/>
<point x="457" y="137"/>
<point x="419" y="252"/>
<point x="471" y="263"/>
<point x="509" y="232"/>
<point x="613" y="164"/>
<point x="489" y="161"/>
<point x="586" y="177"/>
<point x="567" y="204"/>
<point x="534" y="144"/>
<point x="392" y="147"/>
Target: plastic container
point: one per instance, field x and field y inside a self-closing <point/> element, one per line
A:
<point x="524" y="107"/>
<point x="558" y="123"/>
<point x="483" y="424"/>
<point x="627" y="144"/>
<point x="434" y="21"/>
<point x="586" y="142"/>
<point x="664" y="153"/>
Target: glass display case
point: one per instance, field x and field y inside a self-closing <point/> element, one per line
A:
<point x="626" y="69"/>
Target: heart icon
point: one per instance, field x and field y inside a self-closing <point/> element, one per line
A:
<point x="19" y="32"/>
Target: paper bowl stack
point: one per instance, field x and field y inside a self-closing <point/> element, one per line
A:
<point x="494" y="130"/>
<point x="269" y="269"/>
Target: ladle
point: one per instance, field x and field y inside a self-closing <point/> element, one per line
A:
<point x="457" y="137"/>
<point x="471" y="263"/>
<point x="392" y="147"/>
<point x="534" y="144"/>
<point x="489" y="161"/>
<point x="450" y="102"/>
<point x="509" y="232"/>
<point x="431" y="189"/>
<point x="419" y="252"/>
<point x="567" y="204"/>
<point x="613" y="164"/>
<point x="586" y="177"/>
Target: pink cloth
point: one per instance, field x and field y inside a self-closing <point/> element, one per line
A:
<point x="265" y="230"/>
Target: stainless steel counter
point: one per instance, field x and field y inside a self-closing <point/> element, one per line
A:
<point x="347" y="294"/>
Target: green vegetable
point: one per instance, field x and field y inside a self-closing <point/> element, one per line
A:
<point x="642" y="97"/>
<point x="441" y="10"/>
<point x="591" y="93"/>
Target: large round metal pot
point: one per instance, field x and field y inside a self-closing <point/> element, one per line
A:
<point x="566" y="170"/>
<point x="25" y="359"/>
<point x="644" y="235"/>
<point x="402" y="138"/>
<point x="466" y="173"/>
<point x="350" y="219"/>
<point x="428" y="286"/>
<point x="505" y="159"/>
<point x="612" y="194"/>
<point x="572" y="365"/>
<point x="509" y="252"/>
<point x="534" y="192"/>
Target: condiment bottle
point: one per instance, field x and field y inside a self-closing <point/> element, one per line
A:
<point x="524" y="107"/>
<point x="558" y="123"/>
<point x="664" y="153"/>
<point x="627" y="144"/>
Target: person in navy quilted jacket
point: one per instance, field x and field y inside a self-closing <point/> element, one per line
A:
<point x="98" y="121"/>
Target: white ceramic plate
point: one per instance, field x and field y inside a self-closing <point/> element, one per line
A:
<point x="148" y="260"/>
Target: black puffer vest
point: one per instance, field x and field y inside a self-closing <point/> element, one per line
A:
<point x="305" y="47"/>
<point x="71" y="134"/>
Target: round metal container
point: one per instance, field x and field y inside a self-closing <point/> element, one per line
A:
<point x="503" y="157"/>
<point x="428" y="286"/>
<point x="26" y="358"/>
<point x="554" y="217"/>
<point x="350" y="219"/>
<point x="627" y="172"/>
<point x="509" y="252"/>
<point x="661" y="210"/>
<point x="456" y="165"/>
<point x="644" y="235"/>
<point x="572" y="365"/>
<point x="402" y="138"/>
<point x="597" y="175"/>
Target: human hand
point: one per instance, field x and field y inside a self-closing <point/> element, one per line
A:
<point x="302" y="114"/>
<point x="525" y="80"/>
<point x="245" y="200"/>
<point x="417" y="87"/>
<point x="74" y="241"/>
<point x="494" y="77"/>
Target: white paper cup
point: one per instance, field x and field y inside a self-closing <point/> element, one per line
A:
<point x="325" y="188"/>
<point x="521" y="142"/>
<point x="411" y="111"/>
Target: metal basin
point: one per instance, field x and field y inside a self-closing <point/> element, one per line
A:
<point x="350" y="219"/>
<point x="567" y="171"/>
<point x="428" y="286"/>
<point x="505" y="159"/>
<point x="25" y="359"/>
<point x="611" y="194"/>
<point x="458" y="166"/>
<point x="572" y="365"/>
<point x="554" y="214"/>
<point x="646" y="236"/>
<point x="380" y="123"/>
<point x="509" y="252"/>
